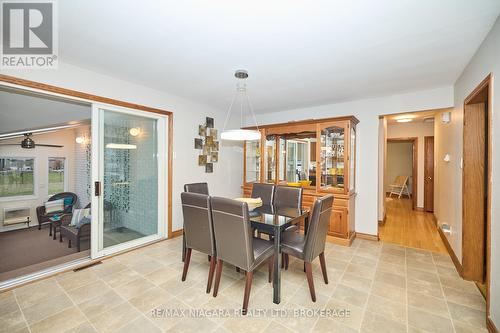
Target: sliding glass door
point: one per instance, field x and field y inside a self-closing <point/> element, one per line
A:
<point x="129" y="182"/>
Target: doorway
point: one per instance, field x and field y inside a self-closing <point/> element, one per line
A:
<point x="476" y="187"/>
<point x="429" y="174"/>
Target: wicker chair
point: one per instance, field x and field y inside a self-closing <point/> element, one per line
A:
<point x="45" y="218"/>
<point x="72" y="233"/>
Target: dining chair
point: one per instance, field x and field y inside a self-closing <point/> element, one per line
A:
<point x="266" y="193"/>
<point x="198" y="231"/>
<point x="288" y="197"/>
<point x="235" y="243"/>
<point x="201" y="188"/>
<point x="308" y="247"/>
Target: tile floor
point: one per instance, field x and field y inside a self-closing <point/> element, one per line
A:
<point x="384" y="287"/>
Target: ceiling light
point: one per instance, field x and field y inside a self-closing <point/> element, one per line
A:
<point x="241" y="93"/>
<point x="404" y="120"/>
<point x="135" y="131"/>
<point x="80" y="139"/>
<point x="120" y="146"/>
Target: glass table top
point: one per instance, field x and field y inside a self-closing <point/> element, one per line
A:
<point x="277" y="216"/>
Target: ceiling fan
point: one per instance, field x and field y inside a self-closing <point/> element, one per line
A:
<point x="29" y="143"/>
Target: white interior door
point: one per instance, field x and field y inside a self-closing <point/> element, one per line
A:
<point x="129" y="182"/>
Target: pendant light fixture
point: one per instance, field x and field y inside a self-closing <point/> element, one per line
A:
<point x="241" y="95"/>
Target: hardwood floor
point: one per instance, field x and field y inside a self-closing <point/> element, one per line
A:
<point x="408" y="227"/>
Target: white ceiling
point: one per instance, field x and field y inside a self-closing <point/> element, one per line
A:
<point x="21" y="112"/>
<point x="298" y="53"/>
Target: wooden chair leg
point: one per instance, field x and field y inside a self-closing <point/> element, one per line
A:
<point x="237" y="269"/>
<point x="218" y="273"/>
<point x="310" y="281"/>
<point x="60" y="237"/>
<point x="246" y="296"/>
<point x="287" y="260"/>
<point x="69" y="243"/>
<point x="282" y="260"/>
<point x="186" y="264"/>
<point x="211" y="274"/>
<point x="323" y="266"/>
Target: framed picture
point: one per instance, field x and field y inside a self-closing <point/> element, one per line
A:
<point x="214" y="156"/>
<point x="209" y="141"/>
<point x="202" y="130"/>
<point x="209" y="168"/>
<point x="202" y="159"/>
<point x="206" y="149"/>
<point x="216" y="146"/>
<point x="210" y="122"/>
<point x="213" y="133"/>
<point x="198" y="143"/>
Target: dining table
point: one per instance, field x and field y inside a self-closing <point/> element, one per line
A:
<point x="274" y="221"/>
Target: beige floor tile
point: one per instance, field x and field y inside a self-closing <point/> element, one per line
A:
<point x="94" y="306"/>
<point x="459" y="297"/>
<point x="389" y="309"/>
<point x="421" y="264"/>
<point x="115" y="317"/>
<point x="107" y="267"/>
<point x="391" y="268"/>
<point x="359" y="260"/>
<point x="334" y="263"/>
<point x="389" y="292"/>
<point x="72" y="280"/>
<point x="354" y="314"/>
<point x="134" y="288"/>
<point x="334" y="275"/>
<point x="303" y="297"/>
<point x="368" y="253"/>
<point x="373" y="322"/>
<point x="60" y="322"/>
<point x="466" y="315"/>
<point x="349" y="295"/>
<point x="356" y="282"/>
<point x="12" y="321"/>
<point x="297" y="320"/>
<point x="394" y="280"/>
<point x="392" y="259"/>
<point x="424" y="287"/>
<point x="121" y="277"/>
<point x="83" y="328"/>
<point x="194" y="325"/>
<point x="429" y="322"/>
<point x="32" y="293"/>
<point x="46" y="307"/>
<point x="447" y="272"/>
<point x="168" y="314"/>
<point x="246" y="324"/>
<point x="140" y="324"/>
<point x="431" y="304"/>
<point x="442" y="260"/>
<point x="423" y="275"/>
<point x="461" y="327"/>
<point x="146" y="266"/>
<point x="460" y="284"/>
<point x="196" y="295"/>
<point x="161" y="275"/>
<point x="321" y="287"/>
<point x="361" y="270"/>
<point x="331" y="325"/>
<point x="275" y="327"/>
<point x="88" y="291"/>
<point x="8" y="302"/>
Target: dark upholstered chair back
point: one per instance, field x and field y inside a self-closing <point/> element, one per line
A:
<point x="198" y="227"/>
<point x="265" y="192"/>
<point x="201" y="188"/>
<point x="288" y="197"/>
<point x="62" y="195"/>
<point x="233" y="234"/>
<point x="318" y="227"/>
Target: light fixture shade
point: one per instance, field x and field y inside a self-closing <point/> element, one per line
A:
<point x="240" y="135"/>
<point x="404" y="120"/>
<point x="120" y="146"/>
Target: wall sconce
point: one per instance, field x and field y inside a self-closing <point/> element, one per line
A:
<point x="446" y="117"/>
<point x="135" y="131"/>
<point x="80" y="139"/>
<point x="447" y="158"/>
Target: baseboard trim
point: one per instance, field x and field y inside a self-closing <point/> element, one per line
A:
<point x="419" y="209"/>
<point x="382" y="222"/>
<point x="176" y="233"/>
<point x="341" y="241"/>
<point x="435" y="220"/>
<point x="491" y="326"/>
<point x="371" y="237"/>
<point x="452" y="254"/>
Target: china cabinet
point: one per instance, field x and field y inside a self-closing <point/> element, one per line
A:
<point x="318" y="155"/>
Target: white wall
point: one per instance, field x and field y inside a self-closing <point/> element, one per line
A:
<point x="382" y="166"/>
<point x="367" y="111"/>
<point x="418" y="130"/>
<point x="399" y="163"/>
<point x="449" y="139"/>
<point x="41" y="155"/>
<point x="228" y="172"/>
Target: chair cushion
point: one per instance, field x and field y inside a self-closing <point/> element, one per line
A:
<point x="78" y="214"/>
<point x="68" y="229"/>
<point x="68" y="201"/>
<point x="54" y="206"/>
<point x="293" y="243"/>
<point x="83" y="221"/>
<point x="262" y="250"/>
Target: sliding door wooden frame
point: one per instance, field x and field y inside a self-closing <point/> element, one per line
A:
<point x="414" y="189"/>
<point x="476" y="93"/>
<point x="47" y="89"/>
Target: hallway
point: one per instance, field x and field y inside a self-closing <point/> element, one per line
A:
<point x="410" y="228"/>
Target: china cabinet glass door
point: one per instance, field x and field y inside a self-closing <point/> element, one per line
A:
<point x="282" y="159"/>
<point x="270" y="159"/>
<point x="352" y="159"/>
<point x="252" y="161"/>
<point x="332" y="157"/>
